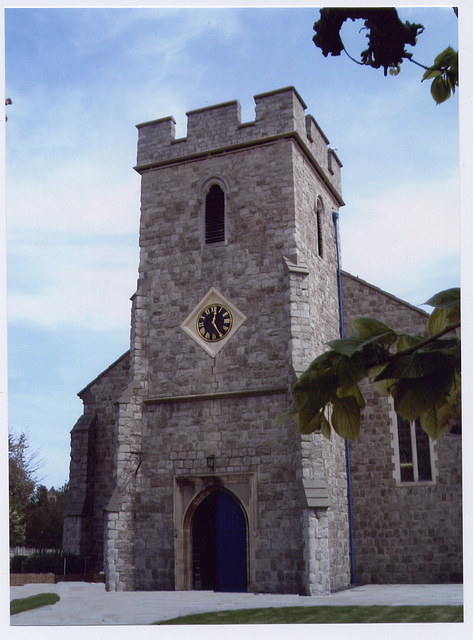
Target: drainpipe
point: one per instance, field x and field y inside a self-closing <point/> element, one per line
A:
<point x="347" y="445"/>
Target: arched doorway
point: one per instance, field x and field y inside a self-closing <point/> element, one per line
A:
<point x="219" y="554"/>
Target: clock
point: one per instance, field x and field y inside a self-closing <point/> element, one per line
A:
<point x="214" y="322"/>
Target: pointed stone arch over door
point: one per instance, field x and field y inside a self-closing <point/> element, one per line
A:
<point x="223" y="510"/>
<point x="219" y="544"/>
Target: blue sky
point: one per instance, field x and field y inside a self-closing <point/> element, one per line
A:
<point x="81" y="79"/>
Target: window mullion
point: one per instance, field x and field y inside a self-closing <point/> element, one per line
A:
<point x="414" y="452"/>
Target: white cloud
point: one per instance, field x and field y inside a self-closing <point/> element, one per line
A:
<point x="405" y="239"/>
<point x="82" y="285"/>
<point x="78" y="197"/>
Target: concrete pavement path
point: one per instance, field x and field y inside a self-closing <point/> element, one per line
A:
<point x="89" y="604"/>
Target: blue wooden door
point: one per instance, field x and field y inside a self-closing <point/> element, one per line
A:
<point x="219" y="544"/>
<point x="231" y="545"/>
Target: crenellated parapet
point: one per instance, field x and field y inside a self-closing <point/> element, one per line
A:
<point x="218" y="129"/>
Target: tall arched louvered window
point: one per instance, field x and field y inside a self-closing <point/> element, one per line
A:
<point x="319" y="219"/>
<point x="214" y="215"/>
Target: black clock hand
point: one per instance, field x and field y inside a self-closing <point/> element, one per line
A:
<point x="214" y="324"/>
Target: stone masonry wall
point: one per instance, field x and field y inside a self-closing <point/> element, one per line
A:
<point x="408" y="533"/>
<point x="244" y="437"/>
<point x="120" y="530"/>
<point x="248" y="270"/>
<point x="321" y="458"/>
<point x="77" y="518"/>
<point x="97" y="465"/>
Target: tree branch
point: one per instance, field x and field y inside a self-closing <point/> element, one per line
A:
<point x="420" y="345"/>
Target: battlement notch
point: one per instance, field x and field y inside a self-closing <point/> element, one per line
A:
<point x="218" y="128"/>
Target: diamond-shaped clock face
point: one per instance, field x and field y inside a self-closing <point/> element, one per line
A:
<point x="213" y="322"/>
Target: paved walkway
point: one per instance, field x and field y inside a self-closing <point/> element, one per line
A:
<point x="89" y="604"/>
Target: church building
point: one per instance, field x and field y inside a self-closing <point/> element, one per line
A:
<point x="182" y="476"/>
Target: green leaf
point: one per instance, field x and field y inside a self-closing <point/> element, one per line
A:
<point x="308" y="423"/>
<point x="346" y="417"/>
<point x="350" y="371"/>
<point x="306" y="380"/>
<point x="325" y="427"/>
<point x="446" y="58"/>
<point x="435" y="421"/>
<point x="431" y="73"/>
<point x="407" y="341"/>
<point x="309" y="407"/>
<point x="445" y="299"/>
<point x="438" y="320"/>
<point x="370" y="328"/>
<point x="300" y="399"/>
<point x="326" y="359"/>
<point x="410" y="400"/>
<point x="355" y="392"/>
<point x="346" y="346"/>
<point x="416" y="395"/>
<point x="441" y="318"/>
<point x="384" y="385"/>
<point x="452" y="79"/>
<point x="420" y="364"/>
<point x="444" y="75"/>
<point x="448" y="346"/>
<point x="440" y="89"/>
<point x="319" y="384"/>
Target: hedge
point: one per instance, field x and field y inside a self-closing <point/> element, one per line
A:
<point x="50" y="563"/>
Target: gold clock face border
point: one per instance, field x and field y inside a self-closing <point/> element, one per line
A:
<point x="190" y="324"/>
<point x="201" y="318"/>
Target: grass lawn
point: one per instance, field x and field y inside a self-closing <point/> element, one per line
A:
<point x="325" y="615"/>
<point x="33" y="602"/>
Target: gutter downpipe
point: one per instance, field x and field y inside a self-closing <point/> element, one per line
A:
<point x="347" y="446"/>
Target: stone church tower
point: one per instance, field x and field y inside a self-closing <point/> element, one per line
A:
<point x="181" y="475"/>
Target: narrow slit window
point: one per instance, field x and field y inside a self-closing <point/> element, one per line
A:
<point x="214" y="215"/>
<point x="319" y="218"/>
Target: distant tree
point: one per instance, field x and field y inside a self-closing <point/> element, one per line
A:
<point x="387" y="39"/>
<point x="24" y="464"/>
<point x="421" y="374"/>
<point x="44" y="518"/>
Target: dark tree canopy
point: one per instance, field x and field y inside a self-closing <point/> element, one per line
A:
<point x="36" y="518"/>
<point x="23" y="467"/>
<point x="44" y="518"/>
<point x="387" y="39"/>
<point x="387" y="35"/>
